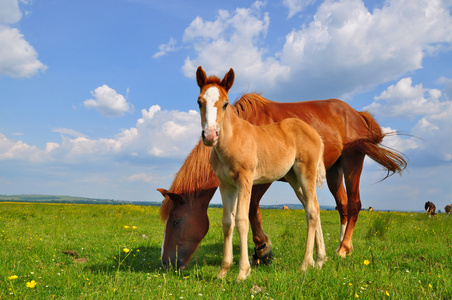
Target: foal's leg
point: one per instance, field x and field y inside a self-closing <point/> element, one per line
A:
<point x="352" y="165"/>
<point x="245" y="185"/>
<point x="305" y="194"/>
<point x="263" y="245"/>
<point x="229" y="199"/>
<point x="334" y="177"/>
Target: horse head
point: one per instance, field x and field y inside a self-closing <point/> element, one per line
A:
<point x="213" y="101"/>
<point x="186" y="225"/>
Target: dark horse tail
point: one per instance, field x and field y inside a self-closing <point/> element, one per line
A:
<point x="390" y="159"/>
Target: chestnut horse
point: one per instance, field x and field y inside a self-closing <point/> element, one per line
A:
<point x="244" y="155"/>
<point x="348" y="135"/>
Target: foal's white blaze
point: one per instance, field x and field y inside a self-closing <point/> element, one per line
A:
<point x="212" y="95"/>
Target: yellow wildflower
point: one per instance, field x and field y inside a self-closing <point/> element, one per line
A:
<point x="430" y="286"/>
<point x="126" y="227"/>
<point x="31" y="284"/>
<point x="356" y="296"/>
<point x="13" y="277"/>
<point x="366" y="262"/>
<point x="126" y="250"/>
<point x="134" y="227"/>
<point x="387" y="293"/>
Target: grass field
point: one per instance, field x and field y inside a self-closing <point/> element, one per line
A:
<point x="113" y="252"/>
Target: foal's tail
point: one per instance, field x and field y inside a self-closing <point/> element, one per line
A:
<point x="390" y="159"/>
<point x="321" y="172"/>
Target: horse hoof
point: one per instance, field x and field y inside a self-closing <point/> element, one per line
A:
<point x="222" y="274"/>
<point x="243" y="275"/>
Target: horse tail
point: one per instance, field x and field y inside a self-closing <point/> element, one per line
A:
<point x="392" y="160"/>
<point x="321" y="172"/>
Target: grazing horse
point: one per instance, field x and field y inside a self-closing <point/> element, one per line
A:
<point x="244" y="154"/>
<point x="348" y="136"/>
<point x="430" y="208"/>
<point x="448" y="208"/>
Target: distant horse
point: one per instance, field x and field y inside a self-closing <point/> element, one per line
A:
<point x="430" y="208"/>
<point x="244" y="154"/>
<point x="348" y="135"/>
<point x="448" y="208"/>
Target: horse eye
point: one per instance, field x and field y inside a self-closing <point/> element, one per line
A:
<point x="199" y="104"/>
<point x="176" y="222"/>
<point x="225" y="105"/>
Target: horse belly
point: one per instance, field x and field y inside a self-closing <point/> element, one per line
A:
<point x="272" y="172"/>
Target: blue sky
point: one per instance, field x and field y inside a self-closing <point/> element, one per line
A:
<point x="98" y="98"/>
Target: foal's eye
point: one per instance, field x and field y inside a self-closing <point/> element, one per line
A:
<point x="225" y="105"/>
<point x="176" y="222"/>
<point x="199" y="104"/>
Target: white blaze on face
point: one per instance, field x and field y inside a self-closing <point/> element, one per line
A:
<point x="212" y="95"/>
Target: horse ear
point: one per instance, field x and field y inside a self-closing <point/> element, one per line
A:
<point x="163" y="192"/>
<point x="201" y="77"/>
<point x="228" y="80"/>
<point x="175" y="197"/>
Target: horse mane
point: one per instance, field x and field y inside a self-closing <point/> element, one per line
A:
<point x="248" y="104"/>
<point x="190" y="178"/>
<point x="196" y="169"/>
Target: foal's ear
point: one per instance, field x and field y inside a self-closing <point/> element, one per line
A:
<point x="201" y="77"/>
<point x="228" y="80"/>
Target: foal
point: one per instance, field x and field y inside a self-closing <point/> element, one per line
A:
<point x="244" y="154"/>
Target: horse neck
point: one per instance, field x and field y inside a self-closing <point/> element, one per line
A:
<point x="231" y="125"/>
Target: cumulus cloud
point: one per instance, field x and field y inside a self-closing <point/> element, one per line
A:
<point x="344" y="50"/>
<point x="233" y="40"/>
<point x="157" y="134"/>
<point x="18" y="58"/>
<point x="428" y="107"/>
<point x="405" y="100"/>
<point x="108" y="102"/>
<point x="348" y="49"/>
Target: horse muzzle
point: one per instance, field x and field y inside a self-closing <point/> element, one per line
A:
<point x="173" y="264"/>
<point x="210" y="137"/>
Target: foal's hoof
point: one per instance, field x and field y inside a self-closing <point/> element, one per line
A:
<point x="261" y="257"/>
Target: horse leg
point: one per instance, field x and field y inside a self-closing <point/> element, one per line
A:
<point x="245" y="185"/>
<point x="334" y="177"/>
<point x="352" y="164"/>
<point x="263" y="246"/>
<point x="306" y="193"/>
<point x="229" y="199"/>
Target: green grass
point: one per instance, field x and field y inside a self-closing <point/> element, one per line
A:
<point x="409" y="254"/>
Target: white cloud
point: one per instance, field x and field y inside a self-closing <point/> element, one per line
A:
<point x="344" y="50"/>
<point x="108" y="102"/>
<point x="149" y="178"/>
<point x="158" y="134"/>
<point x="296" y="6"/>
<point x="10" y="12"/>
<point x="405" y="100"/>
<point x="233" y="40"/>
<point x="18" y="59"/>
<point x="429" y="107"/>
<point x="165" y="48"/>
<point x="68" y="131"/>
<point x="349" y="49"/>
